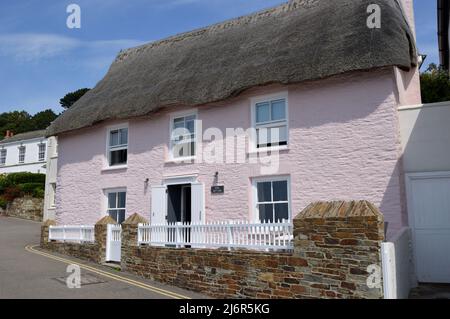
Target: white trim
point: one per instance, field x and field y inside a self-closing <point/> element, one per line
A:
<point x="423" y="106"/>
<point x="110" y="128"/>
<point x="4" y="143"/>
<point x="179" y="180"/>
<point x="255" y="180"/>
<point x="267" y="98"/>
<point x="198" y="135"/>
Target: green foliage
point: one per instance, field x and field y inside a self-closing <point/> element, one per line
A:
<point x="18" y="184"/>
<point x="24" y="178"/>
<point x="435" y="84"/>
<point x="21" y="121"/>
<point x="3" y="203"/>
<point x="31" y="188"/>
<point x="70" y="98"/>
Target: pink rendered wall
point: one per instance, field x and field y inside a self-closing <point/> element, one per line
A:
<point x="343" y="145"/>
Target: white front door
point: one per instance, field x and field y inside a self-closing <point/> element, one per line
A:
<point x="159" y="205"/>
<point x="429" y="212"/>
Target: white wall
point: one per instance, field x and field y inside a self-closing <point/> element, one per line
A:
<point x="50" y="181"/>
<point x="425" y="133"/>
<point x="31" y="164"/>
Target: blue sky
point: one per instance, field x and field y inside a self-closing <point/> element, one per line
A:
<point x="41" y="59"/>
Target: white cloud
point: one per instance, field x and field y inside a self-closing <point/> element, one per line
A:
<point x="31" y="47"/>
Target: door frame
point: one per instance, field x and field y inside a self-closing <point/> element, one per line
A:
<point x="188" y="179"/>
<point x="409" y="179"/>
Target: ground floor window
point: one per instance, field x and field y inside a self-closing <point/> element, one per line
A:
<point x="117" y="205"/>
<point x="272" y="199"/>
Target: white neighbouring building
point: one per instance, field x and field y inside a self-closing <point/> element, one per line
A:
<point x="26" y="152"/>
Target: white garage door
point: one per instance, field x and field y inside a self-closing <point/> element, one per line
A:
<point x="429" y="211"/>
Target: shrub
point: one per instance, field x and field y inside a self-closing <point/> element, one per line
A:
<point x="24" y="178"/>
<point x="30" y="188"/>
<point x="39" y="193"/>
<point x="11" y="193"/>
<point x="3" y="203"/>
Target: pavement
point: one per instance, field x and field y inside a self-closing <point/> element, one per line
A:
<point x="431" y="291"/>
<point x="26" y="272"/>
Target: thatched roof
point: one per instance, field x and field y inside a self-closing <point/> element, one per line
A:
<point x="24" y="136"/>
<point x="298" y="41"/>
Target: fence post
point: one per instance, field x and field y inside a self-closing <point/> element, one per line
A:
<point x="130" y="237"/>
<point x="340" y="233"/>
<point x="230" y="234"/>
<point x="45" y="232"/>
<point x="101" y="234"/>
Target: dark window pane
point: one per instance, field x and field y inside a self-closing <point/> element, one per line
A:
<point x="114" y="138"/>
<point x="266" y="212"/>
<point x="262" y="112"/>
<point x="281" y="212"/>
<point x="113" y="214"/>
<point x="278" y="110"/>
<point x="120" y="216"/>
<point x="122" y="200"/>
<point x="280" y="192"/>
<point x="118" y="157"/>
<point x="124" y="136"/>
<point x="264" y="192"/>
<point x="112" y="201"/>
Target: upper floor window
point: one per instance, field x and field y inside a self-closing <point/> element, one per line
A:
<point x="183" y="136"/>
<point x="41" y="154"/>
<point x="270" y="122"/>
<point x="3" y="153"/>
<point x="22" y="150"/>
<point x="272" y="199"/>
<point x="117" y="205"/>
<point x="118" y="146"/>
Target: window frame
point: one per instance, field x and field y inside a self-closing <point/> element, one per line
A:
<point x="44" y="152"/>
<point x="271" y="179"/>
<point x="24" y="148"/>
<point x="3" y="156"/>
<point x="173" y="117"/>
<point x="270" y="98"/>
<point x="109" y="129"/>
<point x="116" y="191"/>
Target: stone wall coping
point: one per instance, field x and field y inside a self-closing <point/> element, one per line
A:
<point x="339" y="210"/>
<point x="106" y="221"/>
<point x="135" y="219"/>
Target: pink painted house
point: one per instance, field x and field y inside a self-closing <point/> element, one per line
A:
<point x="315" y="83"/>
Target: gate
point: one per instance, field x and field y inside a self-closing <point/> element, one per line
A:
<point x="113" y="243"/>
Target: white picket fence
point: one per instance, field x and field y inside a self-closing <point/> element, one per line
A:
<point x="230" y="234"/>
<point x="76" y="234"/>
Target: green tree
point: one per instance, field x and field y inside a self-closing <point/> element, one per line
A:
<point x="435" y="84"/>
<point x="70" y="98"/>
<point x="21" y="121"/>
<point x="43" y="119"/>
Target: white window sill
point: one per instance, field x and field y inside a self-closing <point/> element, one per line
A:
<point x="187" y="160"/>
<point x="269" y="149"/>
<point x="115" y="168"/>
